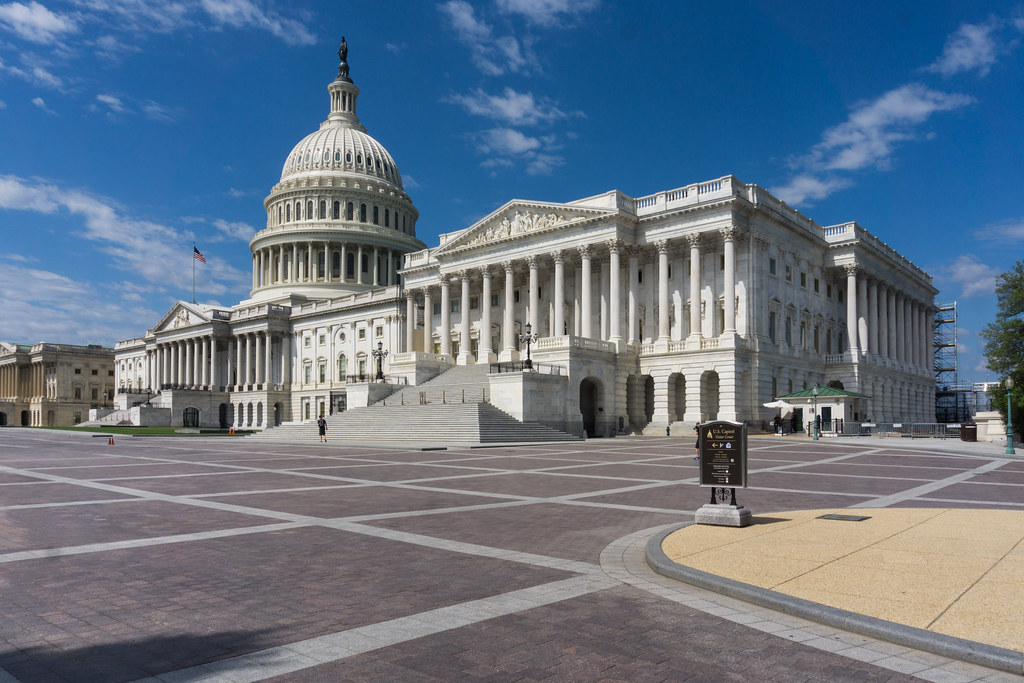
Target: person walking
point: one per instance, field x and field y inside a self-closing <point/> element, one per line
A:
<point x="696" y="446"/>
<point x="321" y="425"/>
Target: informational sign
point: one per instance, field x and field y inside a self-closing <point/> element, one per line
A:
<point x="723" y="454"/>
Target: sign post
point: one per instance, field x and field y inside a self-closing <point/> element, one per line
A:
<point x="723" y="468"/>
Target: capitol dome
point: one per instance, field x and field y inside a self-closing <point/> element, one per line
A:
<point x="338" y="221"/>
<point x="340" y="147"/>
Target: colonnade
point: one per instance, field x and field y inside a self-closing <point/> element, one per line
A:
<point x="883" y="321"/>
<point x="314" y="261"/>
<point x="193" y="362"/>
<point x="605" y="307"/>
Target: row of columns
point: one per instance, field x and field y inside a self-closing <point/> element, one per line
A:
<point x="193" y="361"/>
<point x="883" y="321"/>
<point x="611" y="327"/>
<point x="296" y="263"/>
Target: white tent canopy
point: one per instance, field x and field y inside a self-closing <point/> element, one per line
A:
<point x="783" y="407"/>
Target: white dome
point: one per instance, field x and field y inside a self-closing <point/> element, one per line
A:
<point x="342" y="148"/>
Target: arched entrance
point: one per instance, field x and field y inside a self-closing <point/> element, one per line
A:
<point x="3" y="419"/>
<point x="26" y="418"/>
<point x="588" y="406"/>
<point x="709" y="395"/>
<point x="224" y="415"/>
<point x="676" y="396"/>
<point x="648" y="399"/>
<point x="278" y="414"/>
<point x="190" y="417"/>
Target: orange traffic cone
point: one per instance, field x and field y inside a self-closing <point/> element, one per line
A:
<point x="111" y="442"/>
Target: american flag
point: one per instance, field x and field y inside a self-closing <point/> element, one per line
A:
<point x="197" y="255"/>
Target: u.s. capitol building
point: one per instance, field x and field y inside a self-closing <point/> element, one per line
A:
<point x="696" y="303"/>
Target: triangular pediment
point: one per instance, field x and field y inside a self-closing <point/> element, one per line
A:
<point x="183" y="314"/>
<point x="518" y="219"/>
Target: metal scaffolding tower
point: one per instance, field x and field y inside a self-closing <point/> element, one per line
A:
<point x="952" y="400"/>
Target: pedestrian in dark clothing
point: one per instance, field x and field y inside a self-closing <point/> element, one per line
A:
<point x="321" y="425"/>
<point x="696" y="446"/>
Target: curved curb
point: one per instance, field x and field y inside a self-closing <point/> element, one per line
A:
<point x="990" y="656"/>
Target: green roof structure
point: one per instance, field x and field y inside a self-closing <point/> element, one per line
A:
<point x="824" y="392"/>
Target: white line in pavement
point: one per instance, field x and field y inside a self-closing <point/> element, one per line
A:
<point x="894" y="498"/>
<point x="304" y="654"/>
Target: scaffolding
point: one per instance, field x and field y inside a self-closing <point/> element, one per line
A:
<point x="954" y="402"/>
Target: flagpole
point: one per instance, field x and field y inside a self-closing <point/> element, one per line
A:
<point x="193" y="272"/>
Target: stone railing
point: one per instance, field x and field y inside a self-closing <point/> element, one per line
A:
<point x="571" y="342"/>
<point x="691" y="194"/>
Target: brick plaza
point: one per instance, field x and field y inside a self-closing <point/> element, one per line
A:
<point x="228" y="559"/>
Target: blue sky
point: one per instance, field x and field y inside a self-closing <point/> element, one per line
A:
<point x="130" y="129"/>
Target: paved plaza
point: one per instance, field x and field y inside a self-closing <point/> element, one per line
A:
<point x="181" y="559"/>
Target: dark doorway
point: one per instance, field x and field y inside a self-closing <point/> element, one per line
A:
<point x="26" y="419"/>
<point x="224" y="413"/>
<point x="190" y="417"/>
<point x="588" y="406"/>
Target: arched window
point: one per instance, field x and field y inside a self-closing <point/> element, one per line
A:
<point x="365" y="266"/>
<point x="335" y="264"/>
<point x="362" y="213"/>
<point x="288" y="212"/>
<point x="278" y="213"/>
<point x="348" y="211"/>
<point x="323" y="209"/>
<point x="348" y="157"/>
<point x="327" y="155"/>
<point x="350" y="266"/>
<point x="337" y="156"/>
<point x="376" y="215"/>
<point x="309" y="210"/>
<point x="337" y="210"/>
<point x="307" y="157"/>
<point x="387" y="218"/>
<point x="342" y="367"/>
<point x="298" y="211"/>
<point x="359" y="159"/>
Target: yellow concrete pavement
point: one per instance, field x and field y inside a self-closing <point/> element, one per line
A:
<point x="951" y="571"/>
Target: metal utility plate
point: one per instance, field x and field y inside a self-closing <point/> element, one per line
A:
<point x="845" y="518"/>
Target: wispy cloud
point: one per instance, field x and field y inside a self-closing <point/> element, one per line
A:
<point x="34" y="22"/>
<point x="245" y="14"/>
<point x="971" y="276"/>
<point x="113" y="103"/>
<point x="867" y="139"/>
<point x="548" y="12"/>
<point x="972" y="47"/>
<point x="159" y="253"/>
<point x="492" y="54"/>
<point x="515" y="108"/>
<point x="1009" y="230"/>
<point x="41" y="103"/>
<point x="508" y="147"/>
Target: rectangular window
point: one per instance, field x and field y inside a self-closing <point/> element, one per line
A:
<point x="379" y="331"/>
<point x="95" y="372"/>
<point x="306" y="342"/>
<point x="803" y="279"/>
<point x="789" y="331"/>
<point x="474" y="303"/>
<point x="839" y="295"/>
<point x="817" y="286"/>
<point x="95" y="394"/>
<point x="362" y="333"/>
<point x="640" y="275"/>
<point x="494" y="300"/>
<point x="308" y="372"/>
<point x="456" y="305"/>
<point x="78" y="371"/>
<point x="437" y="308"/>
<point x="323" y="339"/>
<point x="771" y="266"/>
<point x="721" y="261"/>
<point x="816" y="348"/>
<point x="670" y="271"/>
<point x="515" y="296"/>
<point x="789" y="273"/>
<point x="828" y="290"/>
<point x="78" y="393"/>
<point x="322" y="371"/>
<point x="771" y="327"/>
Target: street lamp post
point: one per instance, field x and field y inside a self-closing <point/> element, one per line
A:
<point x="814" y="413"/>
<point x="379" y="355"/>
<point x="528" y="339"/>
<point x="1009" y="417"/>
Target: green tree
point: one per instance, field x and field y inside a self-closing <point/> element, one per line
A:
<point x="1004" y="343"/>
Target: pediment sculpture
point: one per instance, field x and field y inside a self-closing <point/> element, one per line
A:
<point x="519" y="223"/>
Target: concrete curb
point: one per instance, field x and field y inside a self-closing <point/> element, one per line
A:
<point x="1002" y="659"/>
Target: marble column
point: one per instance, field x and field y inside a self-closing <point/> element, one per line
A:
<point x="586" y="303"/>
<point x="862" y="313"/>
<point x="410" y="321"/>
<point x="664" y="304"/>
<point x="632" y="323"/>
<point x="428" y="321"/>
<point x="559" y="294"/>
<point x="695" y="298"/>
<point x="534" y="313"/>
<point x="465" y="345"/>
<point x="851" y="308"/>
<point x="508" y="351"/>
<point x="615" y="292"/>
<point x="485" y="354"/>
<point x="446" y="318"/>
<point x="729" y="239"/>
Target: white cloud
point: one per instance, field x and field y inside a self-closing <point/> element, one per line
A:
<point x="3" y="105"/>
<point x="973" y="277"/>
<point x="245" y="14"/>
<point x="234" y="229"/>
<point x="409" y="182"/>
<point x="510" y="106"/>
<point x="547" y="12"/>
<point x="41" y="103"/>
<point x="161" y="112"/>
<point x="505" y="141"/>
<point x="158" y="253"/>
<point x="506" y="147"/>
<point x="493" y="55"/>
<point x="34" y="22"/>
<point x="867" y="139"/>
<point x="115" y="104"/>
<point x="1010" y="230"/>
<point x="53" y="307"/>
<point x="972" y="47"/>
<point x="806" y="187"/>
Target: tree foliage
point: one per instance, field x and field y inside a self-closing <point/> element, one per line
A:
<point x="1004" y="343"/>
